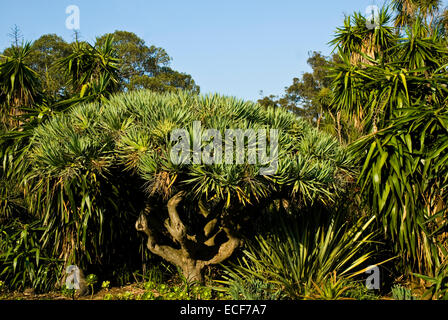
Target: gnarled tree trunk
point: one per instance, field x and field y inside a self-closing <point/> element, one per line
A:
<point x="192" y="253"/>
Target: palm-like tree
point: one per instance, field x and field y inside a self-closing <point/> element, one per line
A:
<point x="359" y="48"/>
<point x="406" y="10"/>
<point x="19" y="84"/>
<point x="90" y="166"/>
<point x="362" y="43"/>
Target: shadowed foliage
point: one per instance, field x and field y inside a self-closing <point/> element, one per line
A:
<point x="85" y="165"/>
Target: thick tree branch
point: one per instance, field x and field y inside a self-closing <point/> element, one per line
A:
<point x="170" y="254"/>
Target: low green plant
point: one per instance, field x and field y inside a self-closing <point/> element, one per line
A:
<point x="108" y="297"/>
<point x="69" y="293"/>
<point x="148" y="295"/>
<point x="150" y="285"/>
<point x="359" y="291"/>
<point x="121" y="275"/>
<point x="402" y="293"/>
<point x="331" y="288"/>
<point x="162" y="289"/>
<point x="155" y="274"/>
<point x="201" y="293"/>
<point x="127" y="296"/>
<point x="121" y="296"/>
<point x="184" y="291"/>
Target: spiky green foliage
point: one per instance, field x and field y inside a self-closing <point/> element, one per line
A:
<point x="19" y="84"/>
<point x="390" y="77"/>
<point x="402" y="293"/>
<point x="361" y="39"/>
<point x="91" y="71"/>
<point x="408" y="10"/>
<point x="436" y="285"/>
<point x="405" y="177"/>
<point x="24" y="262"/>
<point x="251" y="289"/>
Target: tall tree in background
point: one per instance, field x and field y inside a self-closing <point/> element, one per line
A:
<point x="119" y="61"/>
<point x="311" y="97"/>
<point x="304" y="94"/>
<point x="137" y="58"/>
<point x="16" y="36"/>
<point x="360" y="47"/>
<point x="146" y="67"/>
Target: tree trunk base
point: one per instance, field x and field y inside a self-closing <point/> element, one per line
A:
<point x="192" y="272"/>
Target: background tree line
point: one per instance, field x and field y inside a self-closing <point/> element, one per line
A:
<point x="363" y="172"/>
<point x="384" y="93"/>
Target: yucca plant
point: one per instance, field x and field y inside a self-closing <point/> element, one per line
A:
<point x="13" y="147"/>
<point x="436" y="285"/>
<point x="309" y="256"/>
<point x="99" y="163"/>
<point x="400" y="72"/>
<point x="250" y="289"/>
<point x="363" y="43"/>
<point x="332" y="288"/>
<point x="408" y="10"/>
<point x="405" y="180"/>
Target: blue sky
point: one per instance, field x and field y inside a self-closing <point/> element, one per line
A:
<point x="234" y="47"/>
